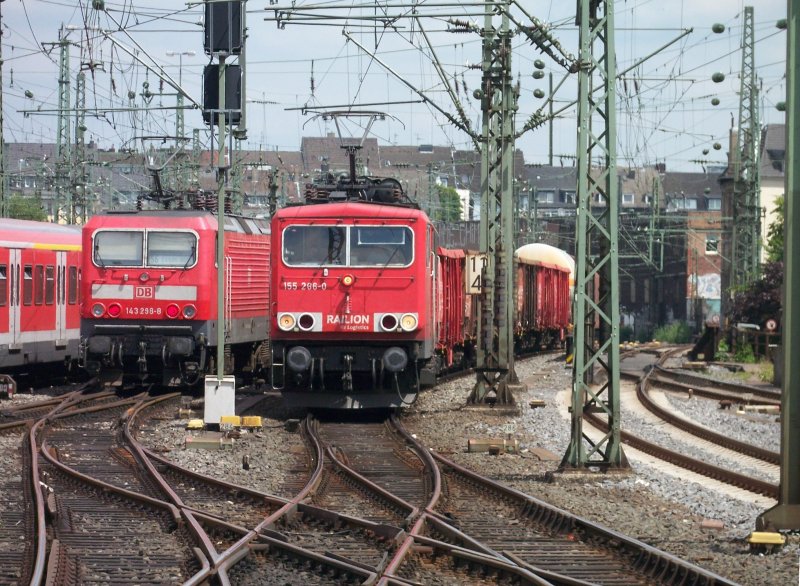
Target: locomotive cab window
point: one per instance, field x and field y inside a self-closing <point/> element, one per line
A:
<point x="171" y="249"/>
<point x="314" y="245"/>
<point x="380" y="246"/>
<point x="118" y="248"/>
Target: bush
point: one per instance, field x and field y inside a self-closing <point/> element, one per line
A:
<point x="675" y="333"/>
<point x="744" y="353"/>
<point x="626" y="334"/>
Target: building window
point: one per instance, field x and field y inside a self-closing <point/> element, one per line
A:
<point x="714" y="203"/>
<point x="648" y="199"/>
<point x="545" y="196"/>
<point x="567" y="196"/>
<point x="691" y="203"/>
<point x="627" y="198"/>
<point x="712" y="244"/>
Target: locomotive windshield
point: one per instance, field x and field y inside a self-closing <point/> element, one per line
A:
<point x="126" y="248"/>
<point x="380" y="246"/>
<point x="314" y="245"/>
<point x="171" y="249"/>
<point x="118" y="248"/>
<point x="358" y="246"/>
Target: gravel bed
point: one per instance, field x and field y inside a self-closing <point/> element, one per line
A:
<point x="759" y="429"/>
<point x="270" y="451"/>
<point x="659" y="433"/>
<point x="645" y="504"/>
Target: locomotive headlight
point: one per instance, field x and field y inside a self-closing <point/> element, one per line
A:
<point x="189" y="311"/>
<point x="98" y="309"/>
<point x="408" y="322"/>
<point x="388" y="322"/>
<point x="305" y="322"/>
<point x="114" y="310"/>
<point x="348" y="280"/>
<point x="173" y="311"/>
<point x="286" y="321"/>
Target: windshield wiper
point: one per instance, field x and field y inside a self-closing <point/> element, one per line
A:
<point x="97" y="256"/>
<point x="191" y="256"/>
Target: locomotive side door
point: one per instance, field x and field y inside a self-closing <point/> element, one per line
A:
<point x="61" y="302"/>
<point x="15" y="277"/>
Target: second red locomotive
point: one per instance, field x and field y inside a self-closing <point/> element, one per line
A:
<point x="150" y="295"/>
<point x="353" y="303"/>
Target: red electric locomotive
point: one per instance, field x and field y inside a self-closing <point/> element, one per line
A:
<point x="39" y="293"/>
<point x="149" y="309"/>
<point x="352" y="303"/>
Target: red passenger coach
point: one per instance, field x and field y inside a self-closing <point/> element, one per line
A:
<point x="352" y="303"/>
<point x="39" y="276"/>
<point x="150" y="295"/>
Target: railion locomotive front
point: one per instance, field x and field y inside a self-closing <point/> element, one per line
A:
<point x="352" y="303"/>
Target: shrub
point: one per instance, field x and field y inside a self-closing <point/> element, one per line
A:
<point x="675" y="333"/>
<point x="626" y="334"/>
<point x="744" y="353"/>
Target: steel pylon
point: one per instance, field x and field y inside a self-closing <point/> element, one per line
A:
<point x="496" y="377"/>
<point x="596" y="245"/>
<point x="746" y="216"/>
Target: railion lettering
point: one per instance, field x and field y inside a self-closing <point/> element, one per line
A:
<point x="354" y="319"/>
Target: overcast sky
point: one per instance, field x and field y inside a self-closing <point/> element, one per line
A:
<point x="665" y="110"/>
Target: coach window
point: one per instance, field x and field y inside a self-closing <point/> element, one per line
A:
<point x="49" y="285"/>
<point x="171" y="249"/>
<point x="3" y="284"/>
<point x="118" y="248"/>
<point x="380" y="246"/>
<point x="38" y="285"/>
<point x="27" y="285"/>
<point x="314" y="245"/>
<point x="72" y="296"/>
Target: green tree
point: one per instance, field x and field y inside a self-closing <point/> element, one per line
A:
<point x="774" y="245"/>
<point x="449" y="209"/>
<point x="26" y="208"/>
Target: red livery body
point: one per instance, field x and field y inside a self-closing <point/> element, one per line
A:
<point x="150" y="294"/>
<point x="39" y="293"/>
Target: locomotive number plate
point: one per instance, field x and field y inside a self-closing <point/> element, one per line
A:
<point x="142" y="311"/>
<point x="304" y="286"/>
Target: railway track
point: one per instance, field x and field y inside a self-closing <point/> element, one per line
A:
<point x="454" y="526"/>
<point x="743" y="481"/>
<point x="106" y="518"/>
<point x="17" y="514"/>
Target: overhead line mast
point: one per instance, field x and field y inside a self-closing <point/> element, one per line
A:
<point x="746" y="225"/>
<point x="597" y="247"/>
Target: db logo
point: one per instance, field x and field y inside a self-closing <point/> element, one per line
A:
<point x="143" y="292"/>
